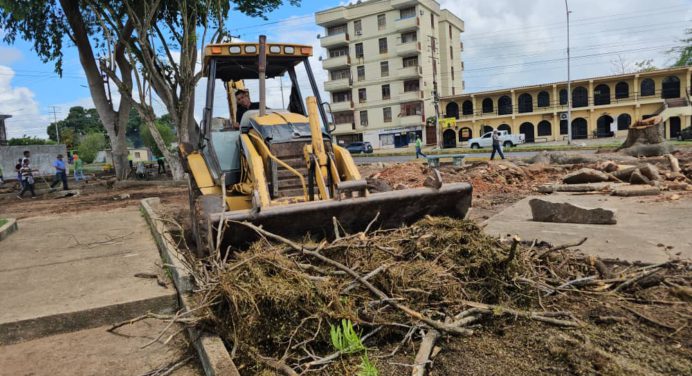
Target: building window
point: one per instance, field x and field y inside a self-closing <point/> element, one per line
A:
<point x="580" y="97"/>
<point x="338" y="29"/>
<point x="624" y="122"/>
<point x="387" y="114"/>
<point x="410" y="61"/>
<point x="343" y="117"/>
<point x="385" y="92"/>
<point x="563" y="97"/>
<point x="432" y="20"/>
<point x="409" y="37"/>
<point x="381" y="22"/>
<point x="487" y="105"/>
<point x="340" y="74"/>
<point x="384" y="68"/>
<point x="601" y="95"/>
<point x="451" y="53"/>
<point x="504" y="105"/>
<point x="453" y="91"/>
<point x="336" y="52"/>
<point x="525" y="103"/>
<point x="341" y="96"/>
<point x="545" y="128"/>
<point x="358" y="27"/>
<point x="411" y="109"/>
<point x="647" y="87"/>
<point x="361" y="72"/>
<point x="362" y="96"/>
<point x="407" y="13"/>
<point x="386" y="139"/>
<point x="452" y="74"/>
<point x="138" y="155"/>
<point x="411" y="85"/>
<point x="543" y="99"/>
<point x="364" y="118"/>
<point x="450" y="31"/>
<point x="622" y="90"/>
<point x="383" y="45"/>
<point x="467" y="107"/>
<point x="359" y="50"/>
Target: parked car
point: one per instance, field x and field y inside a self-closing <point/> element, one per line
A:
<point x="506" y="140"/>
<point x="359" y="147"/>
<point x="685" y="134"/>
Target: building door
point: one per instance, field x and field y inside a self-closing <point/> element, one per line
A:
<point x="675" y="126"/>
<point x="527" y="130"/>
<point x="579" y="129"/>
<point x="603" y="126"/>
<point x="430" y="135"/>
<point x="449" y="139"/>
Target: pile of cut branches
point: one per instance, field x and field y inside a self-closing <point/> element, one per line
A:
<point x="278" y="303"/>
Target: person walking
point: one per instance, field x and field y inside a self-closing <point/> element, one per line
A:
<point x="78" y="168"/>
<point x="497" y="146"/>
<point x="162" y="164"/>
<point x="60" y="173"/>
<point x="27" y="180"/>
<point x="419" y="145"/>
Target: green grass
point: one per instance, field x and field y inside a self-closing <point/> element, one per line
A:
<point x="3" y="221"/>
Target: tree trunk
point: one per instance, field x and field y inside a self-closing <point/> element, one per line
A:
<point x="172" y="158"/>
<point x="646" y="139"/>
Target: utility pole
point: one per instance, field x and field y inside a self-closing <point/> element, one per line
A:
<point x="569" y="84"/>
<point x="55" y="121"/>
<point x="435" y="93"/>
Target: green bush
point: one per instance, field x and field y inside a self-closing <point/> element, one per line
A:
<point x="166" y="131"/>
<point x="90" y="145"/>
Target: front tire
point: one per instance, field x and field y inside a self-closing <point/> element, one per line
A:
<point x="475" y="146"/>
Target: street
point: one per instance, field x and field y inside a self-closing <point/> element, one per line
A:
<point x="405" y="158"/>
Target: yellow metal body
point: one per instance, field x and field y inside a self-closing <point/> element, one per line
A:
<point x="200" y="171"/>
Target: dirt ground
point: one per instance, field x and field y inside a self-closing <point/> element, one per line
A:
<point x="644" y="333"/>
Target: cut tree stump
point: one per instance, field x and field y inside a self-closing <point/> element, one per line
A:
<point x="646" y="138"/>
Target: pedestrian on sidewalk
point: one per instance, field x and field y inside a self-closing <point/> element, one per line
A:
<point x="27" y="180"/>
<point x="1" y="179"/>
<point x="497" y="146"/>
<point x="419" y="144"/>
<point x="78" y="168"/>
<point x="60" y="173"/>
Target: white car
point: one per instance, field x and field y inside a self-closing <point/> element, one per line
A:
<point x="506" y="140"/>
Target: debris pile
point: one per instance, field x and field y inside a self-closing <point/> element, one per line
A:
<point x="280" y="304"/>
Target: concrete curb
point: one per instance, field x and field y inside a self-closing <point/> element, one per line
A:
<point x="8" y="228"/>
<point x="210" y="348"/>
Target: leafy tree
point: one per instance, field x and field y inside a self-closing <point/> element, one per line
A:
<point x="26" y="140"/>
<point x="165" y="129"/>
<point x="90" y="145"/>
<point x="684" y="51"/>
<point x="646" y="65"/>
<point x="134" y="126"/>
<point x="79" y="122"/>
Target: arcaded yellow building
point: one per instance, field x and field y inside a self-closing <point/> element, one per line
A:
<point x="601" y="107"/>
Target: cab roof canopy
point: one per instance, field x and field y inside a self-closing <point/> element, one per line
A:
<point x="240" y="61"/>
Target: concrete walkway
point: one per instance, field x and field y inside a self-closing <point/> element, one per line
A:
<point x="74" y="272"/>
<point x="644" y="229"/>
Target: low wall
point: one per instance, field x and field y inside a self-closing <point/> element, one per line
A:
<point x="42" y="158"/>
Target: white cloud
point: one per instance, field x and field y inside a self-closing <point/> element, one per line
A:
<point x="504" y="40"/>
<point x="20" y="103"/>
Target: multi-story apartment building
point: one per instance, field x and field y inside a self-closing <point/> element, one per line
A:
<point x="385" y="59"/>
<point x="601" y="107"/>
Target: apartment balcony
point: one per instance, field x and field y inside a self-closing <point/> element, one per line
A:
<point x="410" y="72"/>
<point x="336" y="85"/>
<point x="342" y="106"/>
<point x="336" y="62"/>
<point x="336" y="40"/>
<point x="410" y="96"/>
<point x="406" y="24"/>
<point x="331" y="17"/>
<point x="408" y="121"/>
<point x="398" y="4"/>
<point x="408" y="49"/>
<point x="343" y="128"/>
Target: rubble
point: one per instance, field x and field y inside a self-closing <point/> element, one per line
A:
<point x="564" y="212"/>
<point x="585" y="175"/>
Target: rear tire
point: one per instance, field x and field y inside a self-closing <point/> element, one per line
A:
<point x="508" y="144"/>
<point x="475" y="146"/>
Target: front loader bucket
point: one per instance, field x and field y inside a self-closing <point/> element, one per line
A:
<point x="395" y="208"/>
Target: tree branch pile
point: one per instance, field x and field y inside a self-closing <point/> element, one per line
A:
<point x="274" y="303"/>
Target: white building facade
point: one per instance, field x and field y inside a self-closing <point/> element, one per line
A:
<point x="385" y="60"/>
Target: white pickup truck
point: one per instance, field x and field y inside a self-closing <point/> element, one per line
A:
<point x="506" y="140"/>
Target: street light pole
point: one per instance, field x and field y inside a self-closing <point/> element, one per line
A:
<point x="569" y="84"/>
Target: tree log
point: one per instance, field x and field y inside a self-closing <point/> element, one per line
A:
<point x="423" y="355"/>
<point x="646" y="139"/>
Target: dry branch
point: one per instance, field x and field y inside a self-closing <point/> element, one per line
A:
<point x="423" y="355"/>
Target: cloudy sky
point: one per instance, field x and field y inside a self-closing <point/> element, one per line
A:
<point x="506" y="43"/>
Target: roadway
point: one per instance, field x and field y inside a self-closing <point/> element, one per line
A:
<point x="412" y="156"/>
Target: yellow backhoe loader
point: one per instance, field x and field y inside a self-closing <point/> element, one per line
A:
<point x="279" y="169"/>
